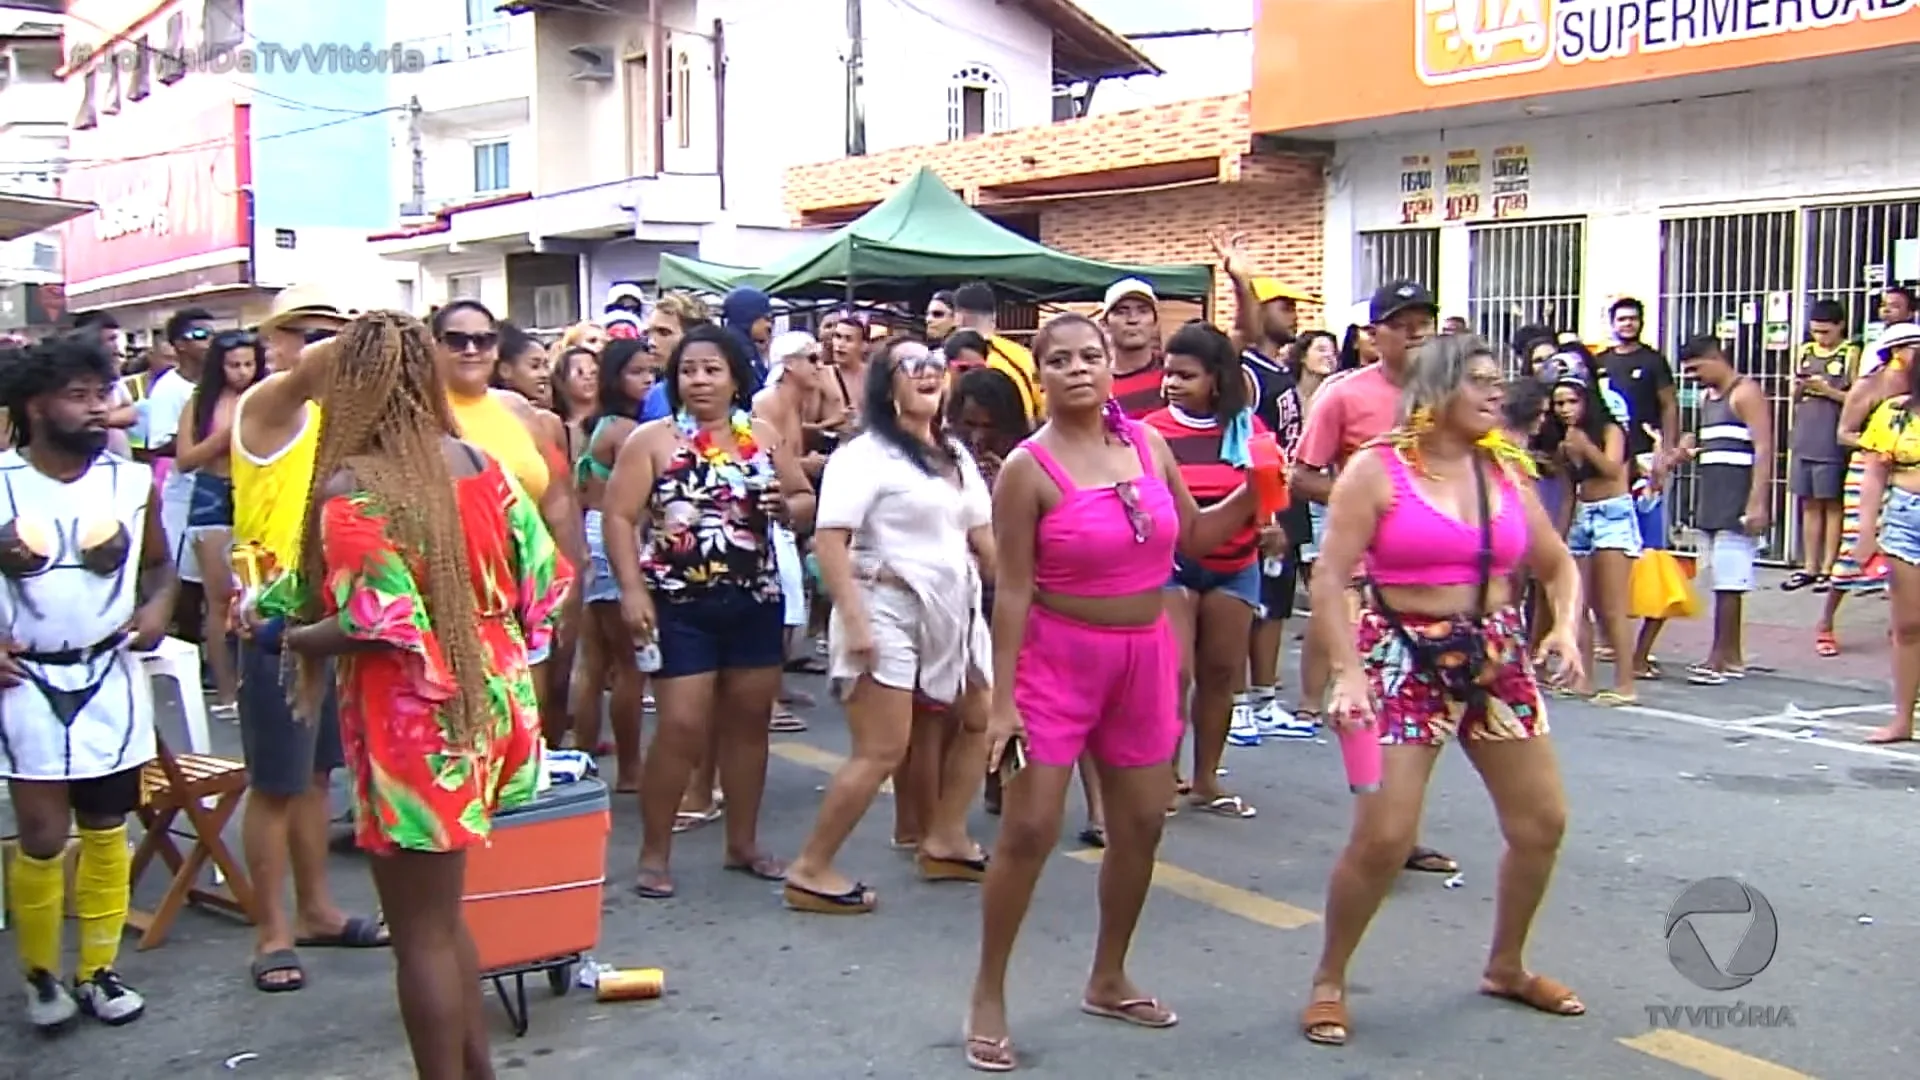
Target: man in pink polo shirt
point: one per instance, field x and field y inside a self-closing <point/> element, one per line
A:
<point x="1349" y="412"/>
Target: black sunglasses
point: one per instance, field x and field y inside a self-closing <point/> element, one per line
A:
<point x="197" y="333"/>
<point x="460" y="341"/>
<point x="233" y="339"/>
<point x="319" y="334"/>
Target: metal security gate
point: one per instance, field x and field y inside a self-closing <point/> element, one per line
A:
<point x="1398" y="254"/>
<point x="1523" y="273"/>
<point x="1850" y="255"/>
<point x="1732" y="277"/>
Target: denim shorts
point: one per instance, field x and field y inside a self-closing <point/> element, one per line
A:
<point x="1900" y="527"/>
<point x="1241" y="584"/>
<point x="1608" y="525"/>
<point x="210" y="506"/>
<point x="600" y="587"/>
<point x="720" y="628"/>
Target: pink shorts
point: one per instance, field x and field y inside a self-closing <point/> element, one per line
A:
<point x="1113" y="690"/>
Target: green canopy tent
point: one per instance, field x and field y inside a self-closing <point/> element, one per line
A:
<point x="924" y="234"/>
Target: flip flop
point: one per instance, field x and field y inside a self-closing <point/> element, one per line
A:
<point x="784" y="722"/>
<point x="689" y="820"/>
<point x="763" y="868"/>
<point x="1226" y="806"/>
<point x="858" y="900"/>
<point x="277" y="962"/>
<point x="653" y="885"/>
<point x="358" y="932"/>
<point x="989" y="1055"/>
<point x="1124" y="1011"/>
<point x="1428" y="861"/>
<point x="1094" y="836"/>
<point x="1826" y="644"/>
<point x="1797" y="580"/>
<point x="1610" y="699"/>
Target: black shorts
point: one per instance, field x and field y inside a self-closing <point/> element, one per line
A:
<point x="722" y="628"/>
<point x="112" y="795"/>
<point x="283" y="752"/>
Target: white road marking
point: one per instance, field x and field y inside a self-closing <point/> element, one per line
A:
<point x="1751" y="728"/>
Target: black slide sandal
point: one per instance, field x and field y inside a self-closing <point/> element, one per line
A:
<point x="278" y="962"/>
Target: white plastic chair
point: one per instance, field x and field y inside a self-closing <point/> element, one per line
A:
<point x="180" y="661"/>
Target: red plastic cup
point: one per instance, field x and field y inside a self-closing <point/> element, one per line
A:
<point x="1360" y="752"/>
<point x="1269" y="475"/>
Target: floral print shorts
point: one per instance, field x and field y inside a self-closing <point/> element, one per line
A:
<point x="1412" y="705"/>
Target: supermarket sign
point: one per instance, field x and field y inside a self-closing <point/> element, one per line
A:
<point x="1460" y="40"/>
<point x="1424" y="56"/>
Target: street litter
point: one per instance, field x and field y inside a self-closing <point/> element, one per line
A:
<point x="1454" y="882"/>
<point x="238" y="1060"/>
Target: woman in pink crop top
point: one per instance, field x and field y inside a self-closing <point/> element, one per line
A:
<point x="1441" y="517"/>
<point x="1087" y="516"/>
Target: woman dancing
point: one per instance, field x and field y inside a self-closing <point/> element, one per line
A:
<point x="1890" y="525"/>
<point x="1604" y="539"/>
<point x="429" y="576"/>
<point x="1087" y="516"/>
<point x="1439" y="653"/>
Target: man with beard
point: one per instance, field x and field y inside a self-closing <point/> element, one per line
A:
<point x="974" y="309"/>
<point x="88" y="583"/>
<point x="189" y="333"/>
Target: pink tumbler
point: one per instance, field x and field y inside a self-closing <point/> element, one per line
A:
<point x="1360" y="751"/>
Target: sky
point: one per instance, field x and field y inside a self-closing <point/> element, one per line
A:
<point x="1195" y="67"/>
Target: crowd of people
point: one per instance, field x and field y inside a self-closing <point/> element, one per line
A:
<point x="423" y="551"/>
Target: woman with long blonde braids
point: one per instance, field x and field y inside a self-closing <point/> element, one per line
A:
<point x="427" y="573"/>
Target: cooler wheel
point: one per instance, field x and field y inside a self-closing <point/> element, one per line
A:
<point x="560" y="978"/>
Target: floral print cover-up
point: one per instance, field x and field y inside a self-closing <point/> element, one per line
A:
<point x="414" y="788"/>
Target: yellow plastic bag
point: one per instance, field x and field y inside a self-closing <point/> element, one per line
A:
<point x="1660" y="586"/>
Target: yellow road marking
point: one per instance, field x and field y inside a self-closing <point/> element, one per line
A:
<point x="813" y="757"/>
<point x="1708" y="1059"/>
<point x="1219" y="895"/>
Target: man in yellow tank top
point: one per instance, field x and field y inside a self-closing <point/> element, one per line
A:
<point x="276" y="430"/>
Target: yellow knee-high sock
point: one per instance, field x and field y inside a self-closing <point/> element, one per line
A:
<point x="101" y="891"/>
<point x="36" y="891"/>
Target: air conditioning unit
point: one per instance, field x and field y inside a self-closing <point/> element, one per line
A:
<point x="596" y="63"/>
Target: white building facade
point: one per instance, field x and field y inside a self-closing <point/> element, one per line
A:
<point x="551" y="158"/>
<point x="34" y="110"/>
<point x="1725" y="164"/>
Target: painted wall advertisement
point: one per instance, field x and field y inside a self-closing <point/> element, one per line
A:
<point x="1417" y="202"/>
<point x="1512" y="178"/>
<point x="166" y="192"/>
<point x="1463" y="185"/>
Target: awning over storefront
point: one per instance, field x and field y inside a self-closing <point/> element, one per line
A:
<point x="924" y="233"/>
<point x="24" y="215"/>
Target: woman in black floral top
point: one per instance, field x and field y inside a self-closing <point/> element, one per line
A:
<point x="689" y="510"/>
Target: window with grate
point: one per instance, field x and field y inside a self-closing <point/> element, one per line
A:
<point x="1850" y="256"/>
<point x="976" y="103"/>
<point x="1522" y="273"/>
<point x="491" y="167"/>
<point x="1399" y="255"/>
<point x="463" y="287"/>
<point x="552" y="306"/>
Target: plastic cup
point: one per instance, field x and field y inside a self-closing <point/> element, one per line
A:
<point x="1269" y="475"/>
<point x="1360" y="752"/>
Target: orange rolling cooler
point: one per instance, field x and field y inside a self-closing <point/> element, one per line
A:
<point x="532" y="897"/>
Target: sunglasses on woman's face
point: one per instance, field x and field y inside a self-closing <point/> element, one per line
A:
<point x="460" y="341"/>
<point x="232" y="339"/>
<point x="916" y="365"/>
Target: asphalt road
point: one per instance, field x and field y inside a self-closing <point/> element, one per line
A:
<point x="1763" y="780"/>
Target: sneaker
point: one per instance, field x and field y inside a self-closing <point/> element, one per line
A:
<point x="49" y="1007"/>
<point x="1242" y="731"/>
<point x="106" y="997"/>
<point x="1267" y="716"/>
<point x="1286" y="724"/>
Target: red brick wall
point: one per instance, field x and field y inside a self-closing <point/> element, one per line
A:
<point x="1278" y="201"/>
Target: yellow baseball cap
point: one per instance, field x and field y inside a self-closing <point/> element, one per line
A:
<point x="1269" y="288"/>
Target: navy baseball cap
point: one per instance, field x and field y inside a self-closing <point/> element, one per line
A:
<point x="1397" y="296"/>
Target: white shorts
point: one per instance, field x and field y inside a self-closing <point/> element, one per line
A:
<point x="176" y="497"/>
<point x="793" y="576"/>
<point x="1729" y="558"/>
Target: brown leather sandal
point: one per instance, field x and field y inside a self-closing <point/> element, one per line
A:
<point x="1326" y="1023"/>
<point x="1539" y="992"/>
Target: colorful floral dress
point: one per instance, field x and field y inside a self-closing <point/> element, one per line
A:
<point x="414" y="787"/>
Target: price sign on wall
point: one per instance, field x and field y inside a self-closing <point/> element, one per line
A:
<point x="1416" y="189"/>
<point x="1463" y="185"/>
<point x="1512" y="181"/>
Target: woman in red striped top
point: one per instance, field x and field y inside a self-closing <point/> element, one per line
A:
<point x="1208" y="423"/>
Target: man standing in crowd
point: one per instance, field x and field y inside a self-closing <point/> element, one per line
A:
<point x="1131" y="314"/>
<point x="1266" y="317"/>
<point x="102" y="327"/>
<point x="1828" y="365"/>
<point x="628" y="297"/>
<point x="1734" y="457"/>
<point x="72" y="742"/>
<point x="1640" y="375"/>
<point x="188" y="333"/>
<point x="276" y="431"/>
<point x="974" y="309"/>
<point x="1346" y="415"/>
<point x="1896" y="305"/>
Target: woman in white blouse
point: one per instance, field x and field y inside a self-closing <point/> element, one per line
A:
<point x="904" y="540"/>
